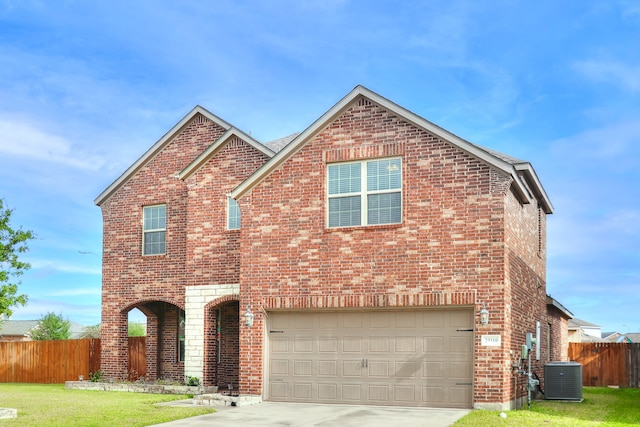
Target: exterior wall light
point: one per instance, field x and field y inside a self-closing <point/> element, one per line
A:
<point x="248" y="317"/>
<point x="484" y="315"/>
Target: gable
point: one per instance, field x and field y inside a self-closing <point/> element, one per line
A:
<point x="518" y="170"/>
<point x="197" y="113"/>
<point x="214" y="148"/>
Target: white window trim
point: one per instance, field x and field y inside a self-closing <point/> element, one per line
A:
<point x="230" y="200"/>
<point x="363" y="193"/>
<point x="154" y="230"/>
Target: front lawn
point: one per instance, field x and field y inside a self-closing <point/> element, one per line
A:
<point x="601" y="407"/>
<point x="53" y="405"/>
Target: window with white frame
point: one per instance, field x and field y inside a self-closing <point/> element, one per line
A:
<point x="365" y="193"/>
<point x="233" y="214"/>
<point x="154" y="230"/>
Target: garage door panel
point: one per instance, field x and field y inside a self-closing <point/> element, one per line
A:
<point x="327" y="345"/>
<point x="379" y="344"/>
<point x="327" y="392"/>
<point x="433" y="395"/>
<point x="372" y="357"/>
<point x="379" y="369"/>
<point x="303" y="344"/>
<point x="279" y="367"/>
<point x="354" y="321"/>
<point x="302" y="391"/>
<point x="460" y="395"/>
<point x="279" y="345"/>
<point x="435" y="369"/>
<point x="327" y="368"/>
<point x="379" y="393"/>
<point x="434" y="344"/>
<point x="460" y="370"/>
<point x="279" y="390"/>
<point x="406" y="369"/>
<point x="380" y="322"/>
<point x="352" y="368"/>
<point x="302" y="368"/>
<point x="352" y="392"/>
<point x="352" y="344"/>
<point x="405" y="320"/>
<point x="405" y="395"/>
<point x="405" y="344"/>
<point x="461" y="344"/>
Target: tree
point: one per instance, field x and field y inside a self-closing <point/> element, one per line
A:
<point x="12" y="244"/>
<point x="51" y="327"/>
<point x="92" y="331"/>
<point x="137" y="329"/>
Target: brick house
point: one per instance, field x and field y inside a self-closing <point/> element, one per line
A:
<point x="363" y="249"/>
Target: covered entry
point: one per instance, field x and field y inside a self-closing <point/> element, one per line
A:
<point x="376" y="357"/>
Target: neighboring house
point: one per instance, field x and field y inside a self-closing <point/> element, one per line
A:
<point x="624" y="338"/>
<point x="611" y="336"/>
<point x="632" y="337"/>
<point x="19" y="330"/>
<point x="348" y="263"/>
<point x="583" y="331"/>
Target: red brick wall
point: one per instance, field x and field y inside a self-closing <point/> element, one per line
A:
<point x="212" y="250"/>
<point x="127" y="276"/>
<point x="449" y="246"/>
<point x="526" y="288"/>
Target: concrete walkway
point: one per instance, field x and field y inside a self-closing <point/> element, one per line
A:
<point x="302" y="414"/>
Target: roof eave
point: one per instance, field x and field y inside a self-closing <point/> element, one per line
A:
<point x="156" y="148"/>
<point x="536" y="185"/>
<point x="554" y="303"/>
<point x="342" y="105"/>
<point x="217" y="145"/>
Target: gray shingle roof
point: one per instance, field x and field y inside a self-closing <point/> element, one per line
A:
<point x="17" y="327"/>
<point x="278" y="144"/>
<point x="580" y="323"/>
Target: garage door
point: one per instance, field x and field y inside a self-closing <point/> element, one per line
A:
<point x="406" y="358"/>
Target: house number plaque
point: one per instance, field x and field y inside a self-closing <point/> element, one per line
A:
<point x="491" y="340"/>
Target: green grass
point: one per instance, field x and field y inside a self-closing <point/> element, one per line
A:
<point x="602" y="407"/>
<point x="53" y="405"/>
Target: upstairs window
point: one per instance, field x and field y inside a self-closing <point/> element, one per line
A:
<point x="154" y="230"/>
<point x="365" y="193"/>
<point x="233" y="214"/>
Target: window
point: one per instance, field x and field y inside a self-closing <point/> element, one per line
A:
<point x="154" y="230"/>
<point x="233" y="214"/>
<point x="181" y="333"/>
<point x="380" y="202"/>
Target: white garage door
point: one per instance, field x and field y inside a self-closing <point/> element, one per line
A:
<point x="406" y="358"/>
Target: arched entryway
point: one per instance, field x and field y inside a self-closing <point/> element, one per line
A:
<point x="222" y="344"/>
<point x="165" y="341"/>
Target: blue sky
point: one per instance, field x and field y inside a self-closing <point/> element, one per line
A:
<point x="87" y="87"/>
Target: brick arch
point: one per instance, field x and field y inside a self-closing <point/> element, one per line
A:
<point x="215" y="303"/>
<point x="135" y="304"/>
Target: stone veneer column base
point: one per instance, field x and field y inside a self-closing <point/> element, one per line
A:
<point x="196" y="297"/>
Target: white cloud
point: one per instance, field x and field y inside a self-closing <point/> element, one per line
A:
<point x="619" y="74"/>
<point x="74" y="292"/>
<point x="41" y="267"/>
<point x="617" y="142"/>
<point x="20" y="139"/>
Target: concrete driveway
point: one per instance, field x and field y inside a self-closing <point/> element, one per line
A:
<point x="302" y="414"/>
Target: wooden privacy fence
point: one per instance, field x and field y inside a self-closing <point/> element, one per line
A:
<point x="605" y="364"/>
<point x="51" y="362"/>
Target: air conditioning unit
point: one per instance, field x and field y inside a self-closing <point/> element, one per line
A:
<point x="563" y="381"/>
